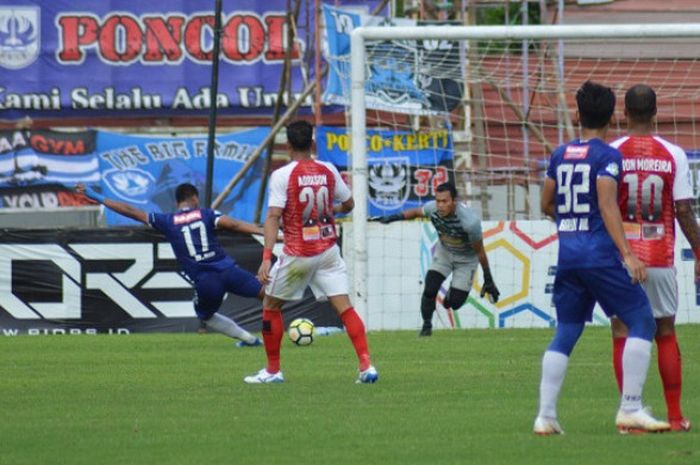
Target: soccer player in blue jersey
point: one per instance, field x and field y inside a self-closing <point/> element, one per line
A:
<point x="595" y="264"/>
<point x="191" y="233"/>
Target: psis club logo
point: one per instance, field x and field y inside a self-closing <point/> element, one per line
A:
<point x="19" y="36"/>
<point x="388" y="182"/>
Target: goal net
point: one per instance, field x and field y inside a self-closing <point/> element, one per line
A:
<point x="484" y="107"/>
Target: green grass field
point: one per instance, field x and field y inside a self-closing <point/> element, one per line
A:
<point x="458" y="397"/>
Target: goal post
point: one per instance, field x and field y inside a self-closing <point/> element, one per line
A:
<point x="362" y="36"/>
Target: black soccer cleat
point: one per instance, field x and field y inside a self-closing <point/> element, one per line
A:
<point x="426" y="331"/>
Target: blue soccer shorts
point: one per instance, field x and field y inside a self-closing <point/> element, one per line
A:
<point x="577" y="290"/>
<point x="211" y="286"/>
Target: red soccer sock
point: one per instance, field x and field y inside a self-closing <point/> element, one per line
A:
<point x="670" y="370"/>
<point x="272" y="332"/>
<point x="618" y="349"/>
<point x="356" y="331"/>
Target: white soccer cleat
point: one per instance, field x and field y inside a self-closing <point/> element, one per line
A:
<point x="368" y="376"/>
<point x="639" y="421"/>
<point x="546" y="426"/>
<point x="264" y="377"/>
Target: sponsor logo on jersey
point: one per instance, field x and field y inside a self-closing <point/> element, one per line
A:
<point x="19" y="36"/>
<point x="388" y="182"/>
<point x="187" y="217"/>
<point x="576" y="152"/>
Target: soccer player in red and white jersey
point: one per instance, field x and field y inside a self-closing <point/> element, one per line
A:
<point x="302" y="196"/>
<point x="654" y="192"/>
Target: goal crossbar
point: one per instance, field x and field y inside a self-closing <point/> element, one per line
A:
<point x="361" y="35"/>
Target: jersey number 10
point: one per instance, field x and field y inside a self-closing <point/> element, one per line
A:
<point x="651" y="188"/>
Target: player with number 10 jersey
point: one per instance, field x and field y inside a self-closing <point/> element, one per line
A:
<point x="655" y="174"/>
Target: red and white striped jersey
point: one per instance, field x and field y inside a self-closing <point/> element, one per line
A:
<point x="655" y="174"/>
<point x="306" y="190"/>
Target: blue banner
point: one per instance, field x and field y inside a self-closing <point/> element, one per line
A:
<point x="122" y="57"/>
<point x="406" y="76"/>
<point x="145" y="171"/>
<point x="404" y="167"/>
<point x="31" y="158"/>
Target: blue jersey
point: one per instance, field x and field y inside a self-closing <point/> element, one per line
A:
<point x="191" y="234"/>
<point x="583" y="240"/>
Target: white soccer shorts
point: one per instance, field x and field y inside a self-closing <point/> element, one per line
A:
<point x="325" y="273"/>
<point x="661" y="287"/>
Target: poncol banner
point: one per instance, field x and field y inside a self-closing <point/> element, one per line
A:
<point x="38" y="167"/>
<point x="402" y="75"/>
<point x="121" y="57"/>
<point x="115" y="281"/>
<point x="404" y="167"/>
<point x="145" y="171"/>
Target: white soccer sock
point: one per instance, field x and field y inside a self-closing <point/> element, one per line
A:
<point x="227" y="326"/>
<point x="635" y="364"/>
<point x="554" y="365"/>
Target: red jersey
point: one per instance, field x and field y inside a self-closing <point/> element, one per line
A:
<point x="654" y="175"/>
<point x="306" y="190"/>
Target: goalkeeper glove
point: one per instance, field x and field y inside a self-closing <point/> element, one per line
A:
<point x="390" y="218"/>
<point x="489" y="287"/>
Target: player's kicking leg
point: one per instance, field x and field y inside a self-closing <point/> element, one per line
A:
<point x="208" y="296"/>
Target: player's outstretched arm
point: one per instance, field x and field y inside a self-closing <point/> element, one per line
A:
<point x="547" y="198"/>
<point x="691" y="231"/>
<point x="271" y="230"/>
<point x="489" y="286"/>
<point x="122" y="208"/>
<point x="610" y="211"/>
<point x="400" y="216"/>
<point x="231" y="224"/>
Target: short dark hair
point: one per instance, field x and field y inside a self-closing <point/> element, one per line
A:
<point x="447" y="187"/>
<point x="185" y="191"/>
<point x="596" y="105"/>
<point x="640" y="103"/>
<point x="300" y="135"/>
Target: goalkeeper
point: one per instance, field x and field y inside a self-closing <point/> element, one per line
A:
<point x="457" y="252"/>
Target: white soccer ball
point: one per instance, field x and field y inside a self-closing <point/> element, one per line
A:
<point x="301" y="331"/>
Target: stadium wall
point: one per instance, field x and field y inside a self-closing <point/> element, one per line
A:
<point x="523" y="257"/>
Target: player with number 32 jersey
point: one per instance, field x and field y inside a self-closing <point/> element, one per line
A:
<point x="583" y="240"/>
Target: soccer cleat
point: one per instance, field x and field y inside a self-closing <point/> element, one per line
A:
<point x="639" y="421"/>
<point x="426" y="331"/>
<point x="257" y="342"/>
<point x="264" y="377"/>
<point x="368" y="376"/>
<point x="680" y="424"/>
<point x="546" y="426"/>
